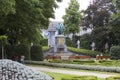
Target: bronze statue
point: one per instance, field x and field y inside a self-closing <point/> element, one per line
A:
<point x="60" y="28"/>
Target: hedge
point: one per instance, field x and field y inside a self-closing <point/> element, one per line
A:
<point x="45" y="48"/>
<point x="113" y="78"/>
<point x="76" y="66"/>
<point x="115" y="52"/>
<point x="36" y="53"/>
<point x="83" y="51"/>
<point x="81" y="78"/>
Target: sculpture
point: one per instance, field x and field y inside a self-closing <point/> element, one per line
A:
<point x="78" y="44"/>
<point x="93" y="46"/>
<point x="60" y="28"/>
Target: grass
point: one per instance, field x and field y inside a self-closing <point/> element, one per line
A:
<point x="59" y="76"/>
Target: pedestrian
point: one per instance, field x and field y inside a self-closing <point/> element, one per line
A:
<point x="22" y="59"/>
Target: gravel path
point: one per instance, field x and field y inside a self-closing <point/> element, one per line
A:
<point x="73" y="72"/>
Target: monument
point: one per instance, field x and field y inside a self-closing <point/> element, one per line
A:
<point x="60" y="42"/>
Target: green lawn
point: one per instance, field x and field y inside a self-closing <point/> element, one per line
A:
<point x="59" y="76"/>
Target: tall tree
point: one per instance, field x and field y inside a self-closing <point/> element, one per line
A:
<point x="30" y="16"/>
<point x="72" y="18"/>
<point x="97" y="17"/>
<point x="115" y="23"/>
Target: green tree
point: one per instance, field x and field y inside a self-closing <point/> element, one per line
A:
<point x="97" y="17"/>
<point x="115" y="23"/>
<point x="72" y="18"/>
<point x="3" y="41"/>
<point x="7" y="7"/>
<point x="29" y="18"/>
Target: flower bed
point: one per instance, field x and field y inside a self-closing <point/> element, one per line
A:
<point x="11" y="70"/>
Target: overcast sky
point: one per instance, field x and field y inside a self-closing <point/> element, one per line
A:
<point x="59" y="12"/>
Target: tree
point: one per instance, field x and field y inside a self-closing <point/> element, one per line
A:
<point x="72" y="18"/>
<point x="29" y="17"/>
<point x="115" y="23"/>
<point x="3" y="40"/>
<point x="7" y="7"/>
<point x="97" y="17"/>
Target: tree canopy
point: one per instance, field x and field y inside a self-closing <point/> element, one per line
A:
<point x="22" y="20"/>
<point x="72" y="18"/>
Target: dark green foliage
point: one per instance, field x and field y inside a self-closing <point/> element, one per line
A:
<point x="36" y="53"/>
<point x="22" y="49"/>
<point x="83" y="51"/>
<point x="70" y="43"/>
<point x="17" y="50"/>
<point x="115" y="52"/>
<point x="44" y="42"/>
<point x="9" y="50"/>
<point x="85" y="41"/>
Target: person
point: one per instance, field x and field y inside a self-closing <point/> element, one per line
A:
<point x="22" y="59"/>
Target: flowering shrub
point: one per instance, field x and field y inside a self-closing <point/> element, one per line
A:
<point x="11" y="70"/>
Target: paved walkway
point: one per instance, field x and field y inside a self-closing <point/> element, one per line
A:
<point x="73" y="72"/>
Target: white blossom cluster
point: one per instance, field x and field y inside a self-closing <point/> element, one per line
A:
<point x="11" y="70"/>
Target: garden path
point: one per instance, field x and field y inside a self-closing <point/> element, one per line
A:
<point x="73" y="72"/>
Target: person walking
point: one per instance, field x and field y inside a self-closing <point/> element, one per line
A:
<point x="22" y="59"/>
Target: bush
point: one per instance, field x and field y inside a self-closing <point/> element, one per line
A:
<point x="9" y="49"/>
<point x="45" y="48"/>
<point x="115" y="52"/>
<point x="83" y="51"/>
<point x="36" y="53"/>
<point x="22" y="49"/>
<point x="81" y="78"/>
<point x="113" y="78"/>
<point x="70" y="43"/>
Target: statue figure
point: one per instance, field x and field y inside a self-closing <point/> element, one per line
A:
<point x="93" y="46"/>
<point x="60" y="28"/>
<point x="78" y="44"/>
<point x="106" y="47"/>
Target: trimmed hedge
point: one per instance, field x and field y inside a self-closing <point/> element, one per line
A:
<point x="113" y="78"/>
<point x="36" y="53"/>
<point x="83" y="51"/>
<point x="45" y="48"/>
<point x="82" y="67"/>
<point x="81" y="78"/>
<point x="115" y="52"/>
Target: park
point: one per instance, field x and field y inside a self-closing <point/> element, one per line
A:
<point x="85" y="45"/>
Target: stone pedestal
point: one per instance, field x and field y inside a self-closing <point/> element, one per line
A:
<point x="60" y="44"/>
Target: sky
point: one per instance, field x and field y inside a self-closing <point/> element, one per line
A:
<point x="59" y="12"/>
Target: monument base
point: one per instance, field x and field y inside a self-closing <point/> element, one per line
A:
<point x="60" y="44"/>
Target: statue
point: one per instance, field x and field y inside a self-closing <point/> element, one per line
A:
<point x="93" y="46"/>
<point x="106" y="47"/>
<point x="60" y="28"/>
<point x="78" y="44"/>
